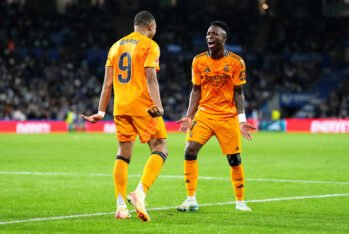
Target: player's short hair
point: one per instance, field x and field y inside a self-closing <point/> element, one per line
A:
<point x="143" y="18"/>
<point x="222" y="25"/>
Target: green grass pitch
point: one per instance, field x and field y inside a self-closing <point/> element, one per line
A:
<point x="295" y="183"/>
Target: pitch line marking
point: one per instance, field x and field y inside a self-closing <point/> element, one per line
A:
<point x="170" y="207"/>
<point x="169" y="177"/>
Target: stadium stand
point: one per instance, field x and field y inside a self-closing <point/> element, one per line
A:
<point x="52" y="61"/>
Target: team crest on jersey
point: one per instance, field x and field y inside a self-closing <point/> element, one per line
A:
<point x="226" y="68"/>
<point x="243" y="75"/>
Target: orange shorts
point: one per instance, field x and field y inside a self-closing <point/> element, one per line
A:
<point x="227" y="132"/>
<point x="128" y="127"/>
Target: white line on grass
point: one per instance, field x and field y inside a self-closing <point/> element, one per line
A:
<point x="170" y="207"/>
<point x="168" y="177"/>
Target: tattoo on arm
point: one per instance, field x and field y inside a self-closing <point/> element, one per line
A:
<point x="239" y="99"/>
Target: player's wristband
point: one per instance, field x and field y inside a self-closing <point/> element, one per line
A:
<point x="242" y="118"/>
<point x="101" y="113"/>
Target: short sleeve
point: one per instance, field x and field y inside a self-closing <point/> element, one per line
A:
<point x="153" y="57"/>
<point x="239" y="76"/>
<point x="195" y="73"/>
<point x="109" y="62"/>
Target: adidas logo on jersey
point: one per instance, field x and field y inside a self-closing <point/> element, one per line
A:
<point x="207" y="69"/>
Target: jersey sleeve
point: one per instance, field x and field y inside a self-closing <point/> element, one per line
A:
<point x="109" y="62"/>
<point x="195" y="73"/>
<point x="153" y="57"/>
<point x="239" y="76"/>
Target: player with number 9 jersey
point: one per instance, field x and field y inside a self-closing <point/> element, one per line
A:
<point x="128" y="57"/>
<point x="131" y="68"/>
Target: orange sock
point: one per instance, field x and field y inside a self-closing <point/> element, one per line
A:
<point x="191" y="174"/>
<point x="152" y="169"/>
<point x="237" y="179"/>
<point x="120" y="174"/>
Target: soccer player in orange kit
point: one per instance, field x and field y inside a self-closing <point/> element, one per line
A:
<point x="216" y="107"/>
<point x="131" y="70"/>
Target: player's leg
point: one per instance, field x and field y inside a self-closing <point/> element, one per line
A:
<point x="157" y="143"/>
<point x="200" y="132"/>
<point x="191" y="174"/>
<point x="120" y="175"/>
<point x="156" y="140"/>
<point x="154" y="163"/>
<point x="229" y="137"/>
<point x="126" y="136"/>
<point x="238" y="180"/>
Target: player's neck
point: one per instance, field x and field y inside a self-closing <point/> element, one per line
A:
<point x="217" y="54"/>
<point x="142" y="31"/>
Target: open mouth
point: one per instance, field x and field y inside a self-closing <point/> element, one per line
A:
<point x="211" y="44"/>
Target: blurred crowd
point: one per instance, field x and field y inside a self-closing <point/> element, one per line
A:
<point x="337" y="104"/>
<point x="52" y="63"/>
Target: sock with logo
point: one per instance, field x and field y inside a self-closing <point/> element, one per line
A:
<point x="152" y="169"/>
<point x="120" y="175"/>
<point x="191" y="174"/>
<point x="237" y="180"/>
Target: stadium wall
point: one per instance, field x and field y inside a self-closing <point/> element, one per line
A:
<point x="284" y="125"/>
<point x="33" y="127"/>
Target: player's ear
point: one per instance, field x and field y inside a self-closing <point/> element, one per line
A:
<point x="224" y="38"/>
<point x="150" y="26"/>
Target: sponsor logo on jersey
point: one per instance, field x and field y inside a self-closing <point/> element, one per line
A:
<point x="217" y="80"/>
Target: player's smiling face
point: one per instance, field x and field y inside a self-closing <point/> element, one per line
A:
<point x="215" y="38"/>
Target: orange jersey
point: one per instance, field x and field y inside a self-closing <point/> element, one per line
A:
<point x="129" y="57"/>
<point x="217" y="79"/>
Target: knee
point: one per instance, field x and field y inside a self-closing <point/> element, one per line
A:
<point x="125" y="154"/>
<point x="159" y="145"/>
<point x="190" y="151"/>
<point x="190" y="154"/>
<point x="192" y="148"/>
<point x="234" y="159"/>
<point x="164" y="150"/>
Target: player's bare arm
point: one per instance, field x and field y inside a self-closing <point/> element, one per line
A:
<point x="153" y="88"/>
<point x="104" y="98"/>
<point x="239" y="100"/>
<point x="194" y="100"/>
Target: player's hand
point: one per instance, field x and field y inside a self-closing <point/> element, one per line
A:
<point x="92" y="118"/>
<point x="246" y="129"/>
<point x="185" y="124"/>
<point x="155" y="111"/>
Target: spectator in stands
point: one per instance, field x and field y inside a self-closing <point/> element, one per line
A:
<point x="45" y="56"/>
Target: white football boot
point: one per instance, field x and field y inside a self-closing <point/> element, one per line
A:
<point x="122" y="212"/>
<point x="241" y="205"/>
<point x="189" y="204"/>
